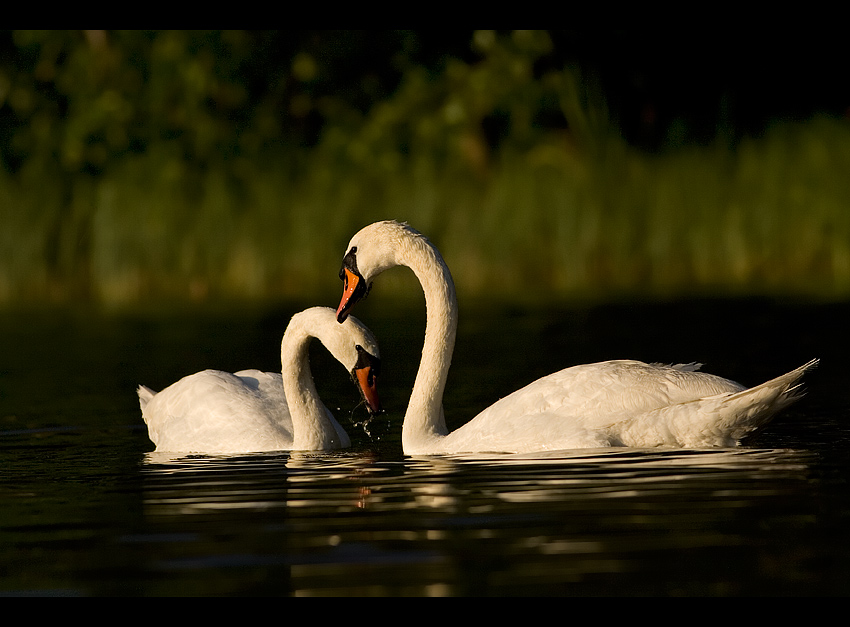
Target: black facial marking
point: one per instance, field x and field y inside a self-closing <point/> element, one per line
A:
<point x="349" y="262"/>
<point x="366" y="359"/>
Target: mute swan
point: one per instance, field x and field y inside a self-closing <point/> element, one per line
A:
<point x="250" y="411"/>
<point x="612" y="403"/>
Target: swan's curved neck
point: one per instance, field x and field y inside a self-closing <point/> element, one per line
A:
<point x="311" y="425"/>
<point x="424" y="421"/>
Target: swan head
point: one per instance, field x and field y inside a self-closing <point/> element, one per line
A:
<point x="360" y="355"/>
<point x="355" y="287"/>
<point x="372" y="250"/>
<point x="352" y="344"/>
<point x="365" y="374"/>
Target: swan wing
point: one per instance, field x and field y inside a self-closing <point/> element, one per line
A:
<point x="584" y="406"/>
<point x="627" y="403"/>
<point x="269" y="385"/>
<point x="719" y="420"/>
<point x="214" y="411"/>
<point x="593" y="393"/>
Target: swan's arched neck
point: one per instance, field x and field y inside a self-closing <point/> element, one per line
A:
<point x="312" y="424"/>
<point x="384" y="245"/>
<point x="424" y="421"/>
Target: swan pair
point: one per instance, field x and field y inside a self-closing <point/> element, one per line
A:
<point x="612" y="403"/>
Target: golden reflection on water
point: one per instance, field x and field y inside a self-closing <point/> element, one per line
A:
<point x="352" y="523"/>
<point x="359" y="480"/>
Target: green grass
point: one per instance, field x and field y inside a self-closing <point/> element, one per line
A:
<point x="770" y="216"/>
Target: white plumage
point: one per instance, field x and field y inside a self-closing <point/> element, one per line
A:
<point x="250" y="411"/>
<point x="613" y="403"/>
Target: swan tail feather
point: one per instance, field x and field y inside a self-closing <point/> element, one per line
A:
<point x="747" y="411"/>
<point x="724" y="419"/>
<point x="145" y="395"/>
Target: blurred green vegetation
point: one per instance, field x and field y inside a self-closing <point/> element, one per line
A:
<point x="144" y="166"/>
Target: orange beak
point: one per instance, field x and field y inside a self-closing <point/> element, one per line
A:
<point x="350" y="294"/>
<point x="368" y="382"/>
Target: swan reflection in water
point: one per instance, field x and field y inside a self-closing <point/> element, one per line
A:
<point x="361" y="524"/>
<point x="363" y="480"/>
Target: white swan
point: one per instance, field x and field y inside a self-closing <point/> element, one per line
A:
<point x="612" y="403"/>
<point x="251" y="411"/>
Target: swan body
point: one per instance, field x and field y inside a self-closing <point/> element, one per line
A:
<point x="252" y="411"/>
<point x="612" y="403"/>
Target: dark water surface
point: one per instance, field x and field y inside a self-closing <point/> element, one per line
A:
<point x="87" y="509"/>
